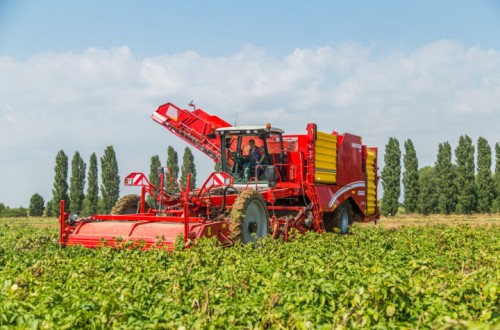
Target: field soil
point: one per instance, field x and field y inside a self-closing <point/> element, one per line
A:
<point x="437" y="219"/>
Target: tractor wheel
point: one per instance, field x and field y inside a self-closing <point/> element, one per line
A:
<point x="128" y="204"/>
<point x="343" y="217"/>
<point x="249" y="218"/>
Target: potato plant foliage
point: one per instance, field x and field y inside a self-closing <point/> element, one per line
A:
<point x="413" y="277"/>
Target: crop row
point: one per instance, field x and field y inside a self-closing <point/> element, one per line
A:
<point x="425" y="277"/>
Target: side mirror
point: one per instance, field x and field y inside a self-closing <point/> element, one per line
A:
<point x="271" y="176"/>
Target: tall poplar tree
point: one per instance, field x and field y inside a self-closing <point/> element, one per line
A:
<point x="445" y="180"/>
<point x="391" y="178"/>
<point x="428" y="199"/>
<point x="410" y="178"/>
<point x="154" y="177"/>
<point x="465" y="179"/>
<point x="496" y="202"/>
<point x="60" y="188"/>
<point x="91" y="201"/>
<point x="172" y="170"/>
<point x="77" y="183"/>
<point x="484" y="178"/>
<point x="110" y="180"/>
<point x="188" y="167"/>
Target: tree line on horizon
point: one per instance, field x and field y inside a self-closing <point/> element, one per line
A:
<point x="462" y="187"/>
<point x="445" y="188"/>
<point x="97" y="199"/>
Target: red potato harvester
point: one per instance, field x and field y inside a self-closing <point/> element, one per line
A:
<point x="270" y="182"/>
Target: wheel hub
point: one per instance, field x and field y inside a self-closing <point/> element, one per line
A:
<point x="252" y="227"/>
<point x="255" y="221"/>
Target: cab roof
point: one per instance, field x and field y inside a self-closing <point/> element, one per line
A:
<point x="248" y="130"/>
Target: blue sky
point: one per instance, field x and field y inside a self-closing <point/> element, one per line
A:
<point x="217" y="28"/>
<point x="81" y="75"/>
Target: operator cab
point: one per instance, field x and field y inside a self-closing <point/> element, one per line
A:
<point x="250" y="153"/>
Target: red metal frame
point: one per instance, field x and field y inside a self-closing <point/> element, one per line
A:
<point x="195" y="127"/>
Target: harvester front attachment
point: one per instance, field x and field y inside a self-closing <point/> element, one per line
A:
<point x="148" y="228"/>
<point x="141" y="229"/>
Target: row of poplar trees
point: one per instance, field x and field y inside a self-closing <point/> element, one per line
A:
<point x="172" y="171"/>
<point x="77" y="199"/>
<point x="90" y="201"/>
<point x="446" y="187"/>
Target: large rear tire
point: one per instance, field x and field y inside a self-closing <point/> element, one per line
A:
<point x="249" y="219"/>
<point x="128" y="204"/>
<point x="342" y="217"/>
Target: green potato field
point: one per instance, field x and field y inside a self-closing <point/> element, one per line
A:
<point x="425" y="277"/>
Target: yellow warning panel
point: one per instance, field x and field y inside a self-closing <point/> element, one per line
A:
<point x="371" y="187"/>
<point x="325" y="160"/>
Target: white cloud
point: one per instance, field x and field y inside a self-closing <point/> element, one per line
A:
<point x="86" y="101"/>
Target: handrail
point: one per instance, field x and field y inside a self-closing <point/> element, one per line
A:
<point x="186" y="208"/>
